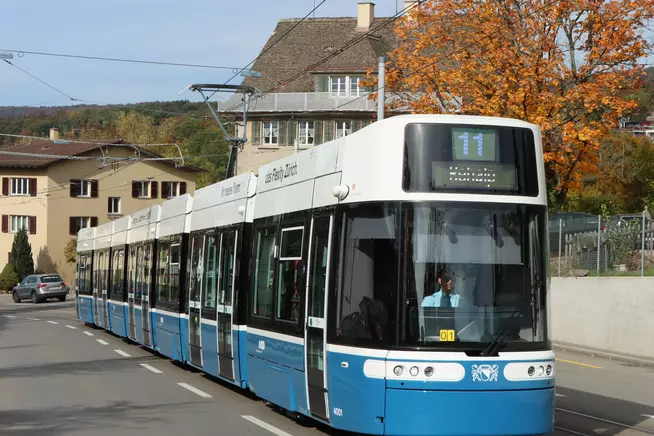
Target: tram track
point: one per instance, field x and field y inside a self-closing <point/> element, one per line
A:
<point x="631" y="429"/>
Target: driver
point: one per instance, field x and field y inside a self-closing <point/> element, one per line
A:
<point x="446" y="297"/>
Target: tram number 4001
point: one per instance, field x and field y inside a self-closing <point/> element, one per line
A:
<point x="338" y="412"/>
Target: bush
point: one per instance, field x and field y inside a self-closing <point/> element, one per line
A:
<point x="8" y="278"/>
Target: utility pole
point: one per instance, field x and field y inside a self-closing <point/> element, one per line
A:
<point x="381" y="83"/>
<point x="235" y="142"/>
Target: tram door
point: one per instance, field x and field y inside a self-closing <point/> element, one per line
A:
<point x="316" y="320"/>
<point x="97" y="292"/>
<point x="131" y="271"/>
<point x="145" y="263"/>
<point x="225" y="297"/>
<point x="194" y="304"/>
<point x="105" y="286"/>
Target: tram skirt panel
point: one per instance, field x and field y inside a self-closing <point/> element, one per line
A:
<point x="209" y="348"/>
<point x="117" y="315"/>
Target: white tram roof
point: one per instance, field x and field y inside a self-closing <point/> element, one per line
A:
<point x="144" y="224"/>
<point x="367" y="166"/>
<point x="223" y="203"/>
<point x="175" y="216"/>
<point x="85" y="239"/>
<point x="103" y="235"/>
<point x="121" y="231"/>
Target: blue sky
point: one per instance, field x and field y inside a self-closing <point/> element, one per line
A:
<point x="215" y="32"/>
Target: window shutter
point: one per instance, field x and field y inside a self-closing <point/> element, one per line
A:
<point x="32" y="182"/>
<point x="292" y="132"/>
<point x="318" y="132"/>
<point x="94" y="189"/>
<point x="165" y="189"/>
<point x="281" y="138"/>
<point x="154" y="189"/>
<point x="256" y="132"/>
<point x="109" y="205"/>
<point x="94" y="221"/>
<point x="32" y="225"/>
<point x="5" y="186"/>
<point x="5" y="223"/>
<point x="323" y="84"/>
<point x="356" y="125"/>
<point x="135" y="189"/>
<point x="182" y="188"/>
<point x="74" y="188"/>
<point x="329" y="129"/>
<point x="72" y="225"/>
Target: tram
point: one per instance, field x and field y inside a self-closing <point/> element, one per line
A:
<point x="393" y="281"/>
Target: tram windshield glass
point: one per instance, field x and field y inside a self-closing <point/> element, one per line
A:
<point x="474" y="273"/>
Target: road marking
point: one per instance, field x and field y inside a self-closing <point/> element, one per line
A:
<point x="88" y="333"/>
<point x="195" y="390"/>
<point x="53" y="322"/>
<point x="122" y="353"/>
<point x="608" y="421"/>
<point x="71" y="327"/>
<point x="9" y="316"/>
<point x="570" y="431"/>
<point x="265" y="425"/>
<point x="151" y="368"/>
<point x="33" y="319"/>
<point x="572" y="362"/>
<point x="102" y="342"/>
<point x="560" y="395"/>
<point x="648" y="416"/>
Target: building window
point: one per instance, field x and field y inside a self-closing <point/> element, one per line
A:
<point x="343" y="128"/>
<point x="172" y="189"/>
<point x="78" y="223"/>
<point x="144" y="189"/>
<point x="346" y="86"/>
<point x="307" y="133"/>
<point x="114" y="206"/>
<point x="270" y="133"/>
<point x="20" y="186"/>
<point x="18" y="223"/>
<point x="84" y="188"/>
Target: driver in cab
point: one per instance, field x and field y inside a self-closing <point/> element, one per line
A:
<point x="446" y="297"/>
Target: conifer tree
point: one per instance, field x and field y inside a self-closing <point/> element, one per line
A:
<point x="21" y="255"/>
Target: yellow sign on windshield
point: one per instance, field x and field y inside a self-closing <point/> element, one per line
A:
<point x="447" y="335"/>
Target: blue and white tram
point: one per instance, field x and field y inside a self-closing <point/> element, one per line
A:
<point x="117" y="276"/>
<point x="101" y="267"/>
<point x="83" y="276"/>
<point x="394" y="281"/>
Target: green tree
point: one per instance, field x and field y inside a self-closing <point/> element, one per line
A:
<point x="70" y="251"/>
<point x="21" y="255"/>
<point x="8" y="278"/>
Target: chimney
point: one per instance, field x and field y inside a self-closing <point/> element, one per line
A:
<point x="54" y="134"/>
<point x="365" y="15"/>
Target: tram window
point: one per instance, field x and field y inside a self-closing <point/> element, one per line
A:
<point x="210" y="270"/>
<point x="175" y="257"/>
<point x="264" y="273"/>
<point x="162" y="272"/>
<point x="368" y="274"/>
<point x="194" y="274"/>
<point x="118" y="276"/>
<point x="319" y="256"/>
<point x="227" y="268"/>
<point x="138" y="279"/>
<point x="147" y="269"/>
<point x="290" y="274"/>
<point x="131" y="270"/>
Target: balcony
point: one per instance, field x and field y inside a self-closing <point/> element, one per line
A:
<point x="306" y="102"/>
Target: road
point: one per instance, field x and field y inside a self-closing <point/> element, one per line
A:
<point x="59" y="377"/>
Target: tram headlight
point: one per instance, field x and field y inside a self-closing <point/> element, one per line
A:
<point x="429" y="371"/>
<point x="531" y="371"/>
<point x="398" y="370"/>
<point x="549" y="370"/>
<point x="541" y="371"/>
<point x="414" y="371"/>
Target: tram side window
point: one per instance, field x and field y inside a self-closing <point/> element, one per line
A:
<point x="147" y="269"/>
<point x="175" y="259"/>
<point x="162" y="272"/>
<point x="131" y="270"/>
<point x="139" y="274"/>
<point x="264" y="273"/>
<point x="290" y="274"/>
<point x="227" y="268"/>
<point x="117" y="276"/>
<point x="195" y="269"/>
<point x="368" y="274"/>
<point x="210" y="270"/>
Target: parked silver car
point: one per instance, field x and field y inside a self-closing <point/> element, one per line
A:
<point x="40" y="287"/>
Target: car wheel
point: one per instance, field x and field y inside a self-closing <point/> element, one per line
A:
<point x="62" y="298"/>
<point x="35" y="300"/>
<point x="16" y="297"/>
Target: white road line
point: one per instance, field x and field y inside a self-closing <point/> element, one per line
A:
<point x="33" y="319"/>
<point x="196" y="391"/>
<point x="88" y="333"/>
<point x="102" y="342"/>
<point x="570" y="431"/>
<point x="9" y="316"/>
<point x="560" y="395"/>
<point x="265" y="425"/>
<point x="122" y="353"/>
<point x="53" y="322"/>
<point x="608" y="421"/>
<point x="151" y="368"/>
<point x="71" y="327"/>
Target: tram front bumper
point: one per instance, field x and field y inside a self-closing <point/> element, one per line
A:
<point x="469" y="413"/>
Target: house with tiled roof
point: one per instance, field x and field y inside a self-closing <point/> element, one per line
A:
<point x="52" y="190"/>
<point x="306" y="101"/>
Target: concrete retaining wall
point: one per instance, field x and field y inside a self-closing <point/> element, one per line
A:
<point x="612" y="314"/>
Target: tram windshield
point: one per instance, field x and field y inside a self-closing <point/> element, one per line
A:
<point x="474" y="273"/>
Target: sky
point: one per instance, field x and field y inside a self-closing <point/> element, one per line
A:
<point x="213" y="32"/>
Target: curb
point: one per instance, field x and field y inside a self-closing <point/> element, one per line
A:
<point x="593" y="352"/>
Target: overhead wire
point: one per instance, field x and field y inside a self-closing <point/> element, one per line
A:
<point x="40" y="80"/>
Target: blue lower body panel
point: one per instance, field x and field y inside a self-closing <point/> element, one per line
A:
<point x="85" y="304"/>
<point x="117" y="315"/>
<point x="168" y="331"/>
<point x="138" y="324"/>
<point x="209" y="349"/>
<point x="278" y="384"/>
<point x="450" y="413"/>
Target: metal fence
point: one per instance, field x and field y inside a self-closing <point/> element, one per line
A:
<point x="627" y="249"/>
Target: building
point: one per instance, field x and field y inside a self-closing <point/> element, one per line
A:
<point x="325" y="101"/>
<point x="53" y="197"/>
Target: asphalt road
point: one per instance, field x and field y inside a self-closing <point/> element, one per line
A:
<point x="59" y="377"/>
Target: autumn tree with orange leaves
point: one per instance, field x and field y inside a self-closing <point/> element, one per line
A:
<point x="561" y="64"/>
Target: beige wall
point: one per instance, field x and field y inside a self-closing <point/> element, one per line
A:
<point x="25" y="205"/>
<point x="112" y="182"/>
